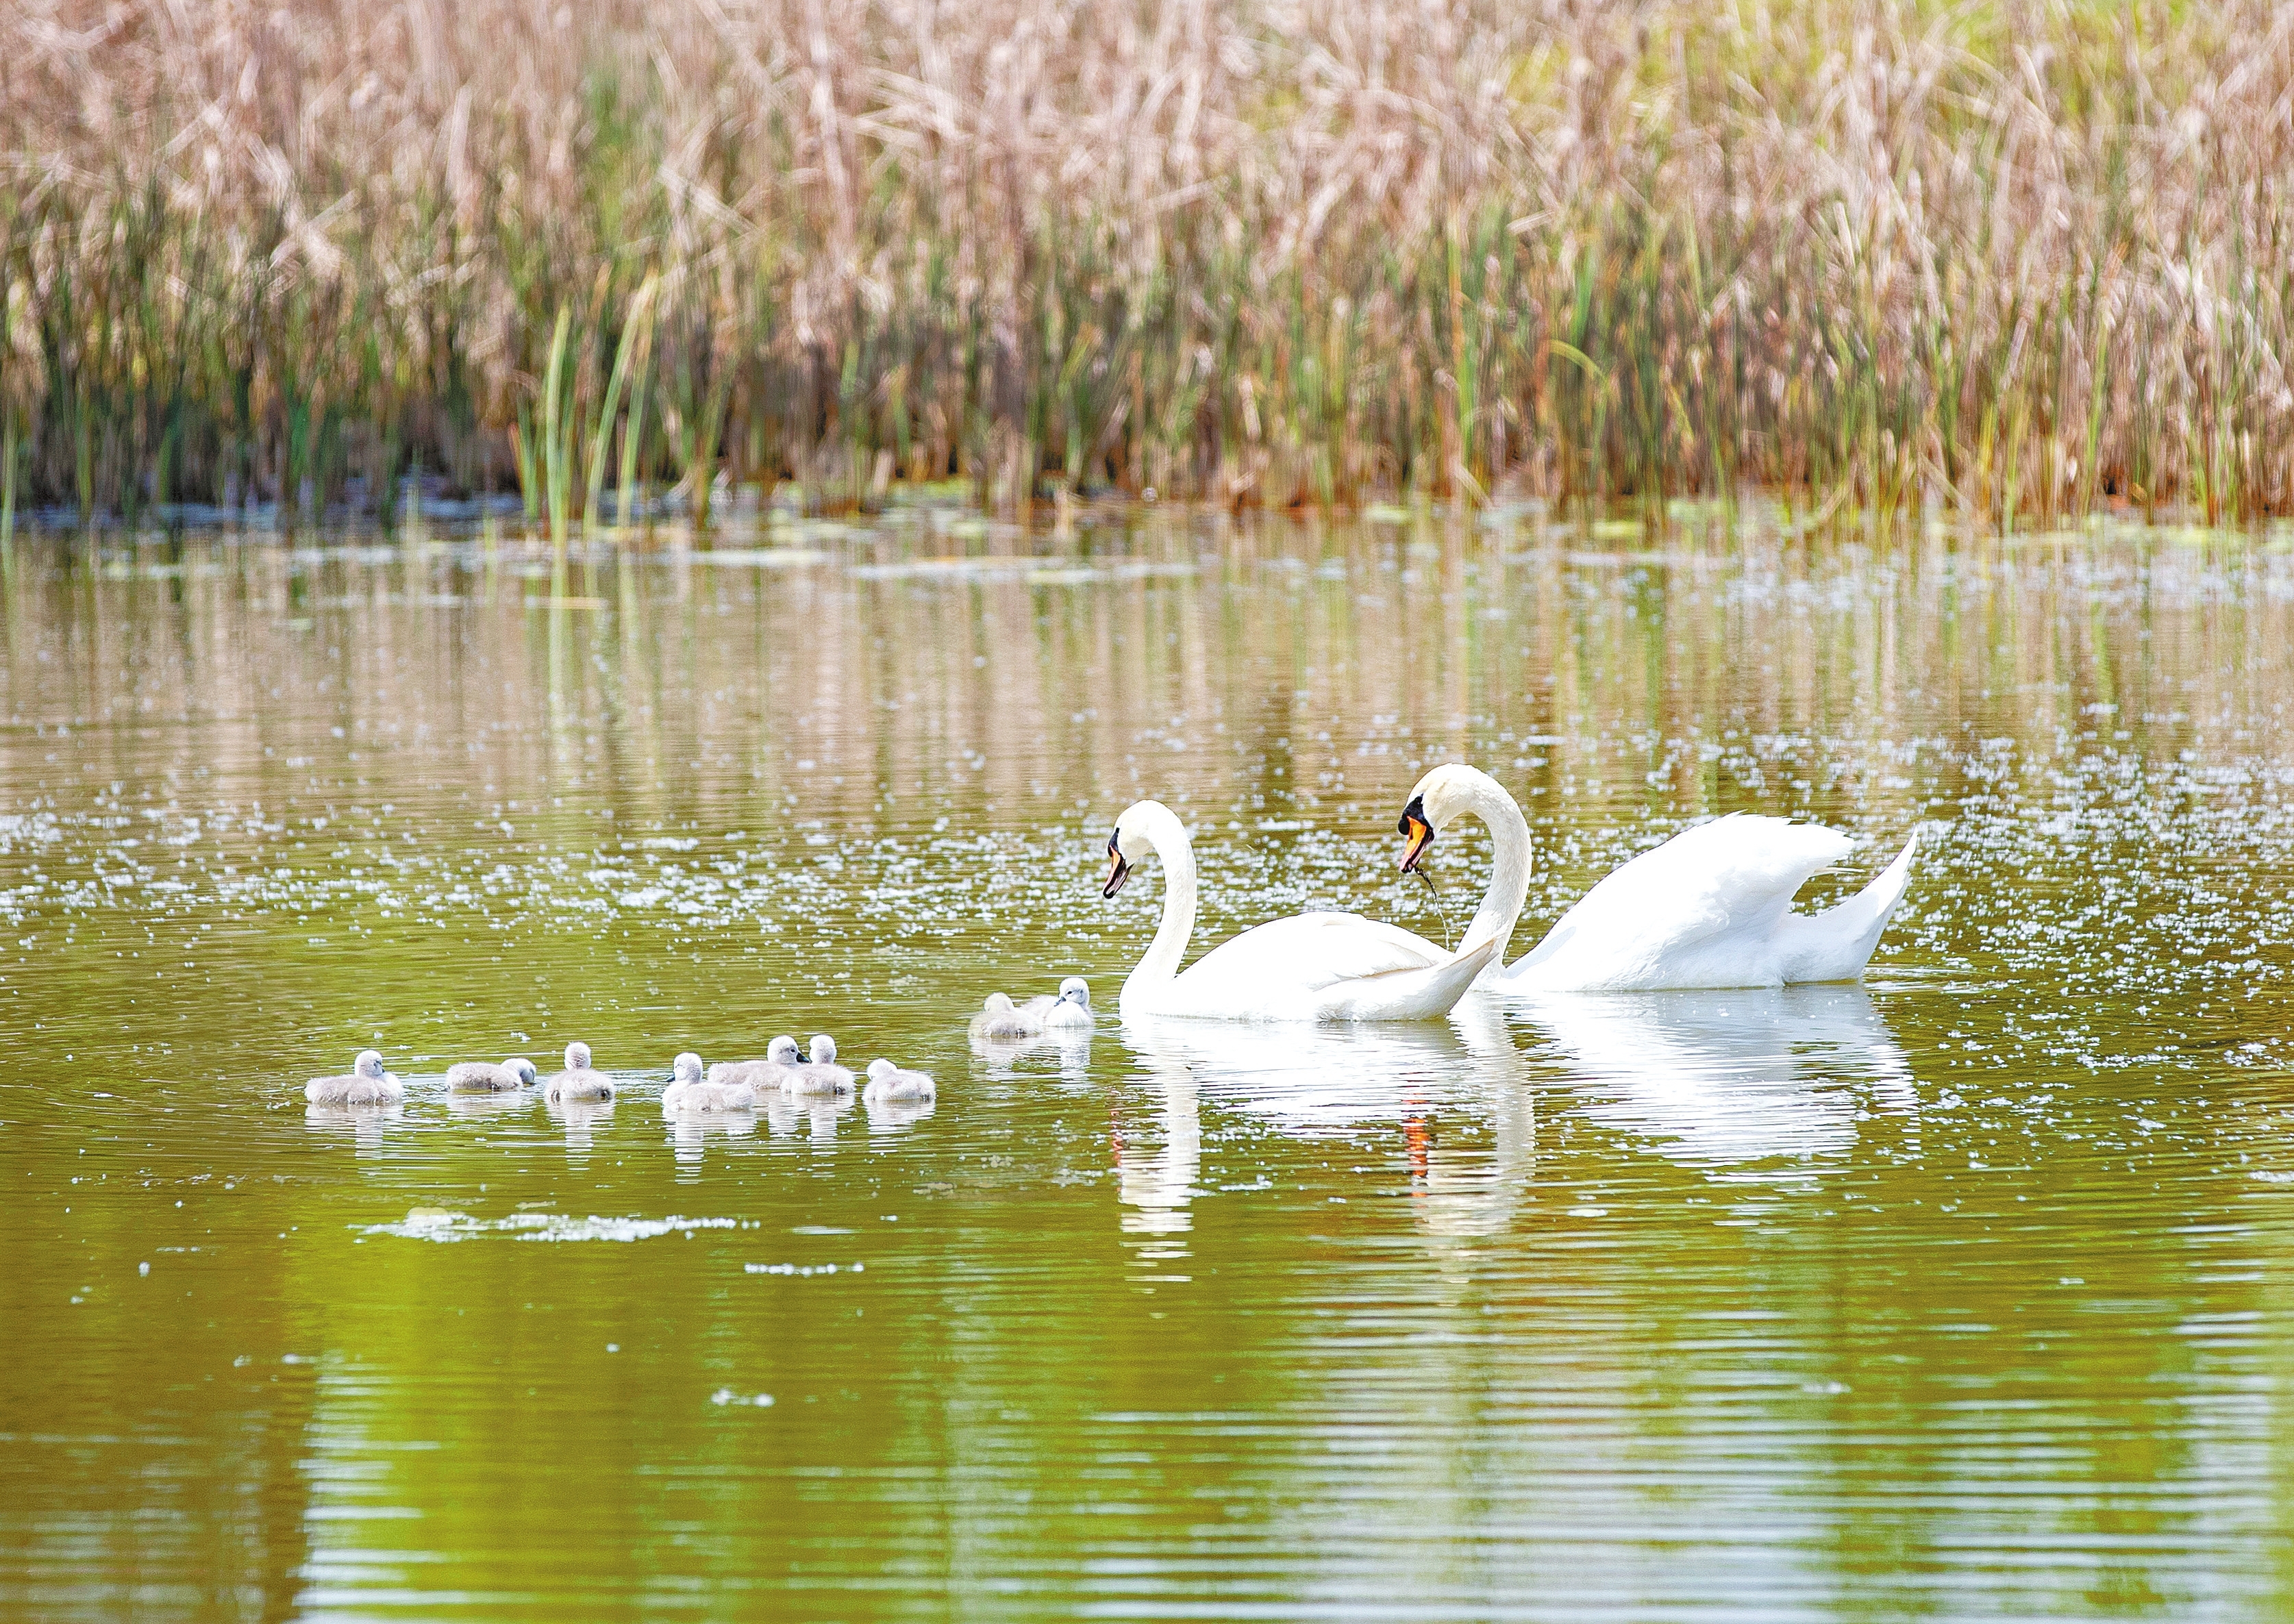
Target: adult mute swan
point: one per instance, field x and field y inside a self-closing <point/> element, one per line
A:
<point x="1709" y="908"/>
<point x="1311" y="967"/>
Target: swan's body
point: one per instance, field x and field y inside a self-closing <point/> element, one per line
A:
<point x="887" y="1081"/>
<point x="1070" y="1011"/>
<point x="1313" y="966"/>
<point x="1709" y="908"/>
<point x="367" y="1084"/>
<point x="820" y="1074"/>
<point x="769" y="1073"/>
<point x="477" y="1077"/>
<point x="580" y="1080"/>
<point x="688" y="1095"/>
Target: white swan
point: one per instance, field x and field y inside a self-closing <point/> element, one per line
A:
<point x="1311" y="967"/>
<point x="687" y="1092"/>
<point x="1709" y="908"/>
<point x="769" y="1073"/>
<point x="819" y="1074"/>
<point x="368" y="1084"/>
<point x="888" y="1082"/>
<point x="580" y="1080"/>
<point x="477" y="1077"/>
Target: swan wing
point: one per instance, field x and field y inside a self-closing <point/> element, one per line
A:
<point x="1675" y="915"/>
<point x="1308" y="952"/>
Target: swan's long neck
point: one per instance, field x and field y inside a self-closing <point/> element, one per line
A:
<point x="1501" y="904"/>
<point x="1161" y="963"/>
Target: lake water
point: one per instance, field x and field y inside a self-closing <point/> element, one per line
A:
<point x="1965" y="1293"/>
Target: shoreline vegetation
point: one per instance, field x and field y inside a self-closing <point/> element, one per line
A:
<point x="2018" y="261"/>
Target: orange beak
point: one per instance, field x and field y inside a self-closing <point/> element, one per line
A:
<point x="1418" y="832"/>
<point x="1118" y="869"/>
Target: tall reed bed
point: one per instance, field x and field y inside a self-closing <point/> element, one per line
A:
<point x="2015" y="259"/>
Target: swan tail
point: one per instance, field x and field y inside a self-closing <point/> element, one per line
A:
<point x="1836" y="944"/>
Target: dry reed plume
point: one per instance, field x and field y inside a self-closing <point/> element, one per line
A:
<point x="2013" y="258"/>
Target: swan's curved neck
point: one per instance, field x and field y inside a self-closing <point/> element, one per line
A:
<point x="1162" y="830"/>
<point x="1501" y="904"/>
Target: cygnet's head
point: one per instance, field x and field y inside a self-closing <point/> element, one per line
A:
<point x="824" y="1049"/>
<point x="1075" y="990"/>
<point x="997" y="1003"/>
<point x="522" y="1068"/>
<point x="369" y="1064"/>
<point x="577" y="1057"/>
<point x="880" y="1067"/>
<point x="1129" y="844"/>
<point x="685" y="1068"/>
<point x="782" y="1051"/>
<point x="1443" y="793"/>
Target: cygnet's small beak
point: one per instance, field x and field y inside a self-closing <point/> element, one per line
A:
<point x="1118" y="869"/>
<point x="1417" y="832"/>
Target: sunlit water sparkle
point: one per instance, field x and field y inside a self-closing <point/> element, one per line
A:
<point x="1964" y="1292"/>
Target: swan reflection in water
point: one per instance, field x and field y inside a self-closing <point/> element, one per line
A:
<point x="689" y="1135"/>
<point x="1398" y="1082"/>
<point x="367" y="1124"/>
<point x="1726" y="1080"/>
<point x="815" y="1114"/>
<point x="892" y="1116"/>
<point x="493" y="1103"/>
<point x="582" y="1119"/>
<point x="1068" y="1047"/>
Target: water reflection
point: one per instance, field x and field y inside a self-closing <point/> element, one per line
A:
<point x="367" y="1124"/>
<point x="814" y="1114"/>
<point x="1461" y="1190"/>
<point x="690" y="1133"/>
<point x="891" y="1116"/>
<point x="1069" y="1049"/>
<point x="1750" y="1083"/>
<point x="582" y="1120"/>
<point x="490" y="1106"/>
<point x="1156" y="1187"/>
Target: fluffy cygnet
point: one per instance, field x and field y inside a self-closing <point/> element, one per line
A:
<point x="368" y="1084"/>
<point x="687" y="1092"/>
<point x="580" y="1080"/>
<point x="477" y="1077"/>
<point x="1070" y="1011"/>
<point x="820" y="1074"/>
<point x="887" y="1081"/>
<point x="1001" y="1020"/>
<point x="771" y="1072"/>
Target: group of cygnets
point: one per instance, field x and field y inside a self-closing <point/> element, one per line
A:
<point x="785" y="1071"/>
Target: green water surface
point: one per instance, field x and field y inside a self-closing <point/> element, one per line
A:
<point x="1967" y="1292"/>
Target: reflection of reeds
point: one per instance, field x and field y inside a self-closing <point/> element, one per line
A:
<point x="2013" y="258"/>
